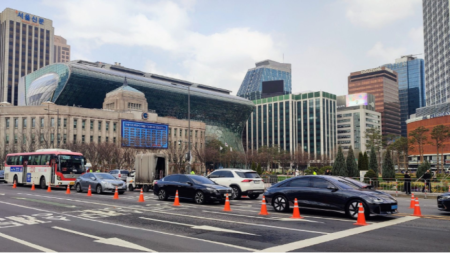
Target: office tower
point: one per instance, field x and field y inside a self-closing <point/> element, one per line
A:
<point x="436" y="32"/>
<point x="382" y="83"/>
<point x="61" y="50"/>
<point x="25" y="46"/>
<point x="411" y="86"/>
<point x="269" y="78"/>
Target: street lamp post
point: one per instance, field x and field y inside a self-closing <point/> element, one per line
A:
<point x="189" y="128"/>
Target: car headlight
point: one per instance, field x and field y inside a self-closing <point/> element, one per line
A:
<point x="212" y="190"/>
<point x="373" y="200"/>
<point x="446" y="197"/>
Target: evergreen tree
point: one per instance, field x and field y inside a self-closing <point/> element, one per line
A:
<point x="373" y="164"/>
<point x="259" y="170"/>
<point x="366" y="162"/>
<point x="388" y="166"/>
<point x="360" y="161"/>
<point x="253" y="166"/>
<point x="339" y="167"/>
<point x="352" y="167"/>
<point x="423" y="167"/>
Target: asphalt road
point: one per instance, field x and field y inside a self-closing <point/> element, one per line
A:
<point x="42" y="221"/>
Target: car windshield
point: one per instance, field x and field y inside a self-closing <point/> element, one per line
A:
<point x="104" y="176"/>
<point x="71" y="164"/>
<point x="344" y="184"/>
<point x="201" y="180"/>
<point x="251" y="174"/>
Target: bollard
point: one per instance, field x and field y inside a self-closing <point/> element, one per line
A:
<point x="426" y="189"/>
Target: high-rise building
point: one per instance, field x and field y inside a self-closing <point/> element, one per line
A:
<point x="436" y="31"/>
<point x="355" y="115"/>
<point x="269" y="78"/>
<point x="381" y="82"/>
<point x="61" y="50"/>
<point x="305" y="122"/>
<point x="411" y="86"/>
<point x="26" y="43"/>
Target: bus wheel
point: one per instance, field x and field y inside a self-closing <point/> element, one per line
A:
<point x="42" y="183"/>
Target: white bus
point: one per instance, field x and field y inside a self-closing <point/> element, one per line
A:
<point x="54" y="167"/>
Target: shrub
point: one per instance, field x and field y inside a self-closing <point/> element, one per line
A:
<point x="371" y="174"/>
<point x="309" y="170"/>
<point x="324" y="169"/>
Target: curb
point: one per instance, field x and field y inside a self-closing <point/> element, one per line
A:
<point x="416" y="194"/>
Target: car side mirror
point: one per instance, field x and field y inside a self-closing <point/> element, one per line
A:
<point x="332" y="188"/>
<point x="93" y="178"/>
<point x="190" y="183"/>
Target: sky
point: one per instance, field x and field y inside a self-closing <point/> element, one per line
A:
<point x="216" y="42"/>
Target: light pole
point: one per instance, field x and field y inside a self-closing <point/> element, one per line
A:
<point x="57" y="127"/>
<point x="189" y="128"/>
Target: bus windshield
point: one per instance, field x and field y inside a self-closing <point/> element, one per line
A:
<point x="71" y="164"/>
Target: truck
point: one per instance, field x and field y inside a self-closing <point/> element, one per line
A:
<point x="148" y="168"/>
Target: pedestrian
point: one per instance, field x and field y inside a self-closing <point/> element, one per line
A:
<point x="296" y="172"/>
<point x="192" y="172"/>
<point x="314" y="173"/>
<point x="98" y="170"/>
<point x="426" y="179"/>
<point x="328" y="172"/>
<point x="407" y="183"/>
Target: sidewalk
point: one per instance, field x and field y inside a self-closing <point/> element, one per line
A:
<point x="416" y="194"/>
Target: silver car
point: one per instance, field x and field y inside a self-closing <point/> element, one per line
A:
<point x="99" y="182"/>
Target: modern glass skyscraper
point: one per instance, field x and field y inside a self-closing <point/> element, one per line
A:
<point x="265" y="72"/>
<point x="411" y="86"/>
<point x="436" y="31"/>
<point x="304" y="122"/>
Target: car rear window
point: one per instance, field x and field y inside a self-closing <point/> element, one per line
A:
<point x="114" y="172"/>
<point x="248" y="174"/>
<point x="124" y="172"/>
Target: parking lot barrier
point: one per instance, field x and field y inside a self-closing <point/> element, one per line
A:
<point x="68" y="189"/>
<point x="32" y="187"/>
<point x="227" y="207"/>
<point x="361" y="221"/>
<point x="412" y="204"/>
<point x="417" y="211"/>
<point x="141" y="196"/>
<point x="263" y="207"/>
<point x="296" y="214"/>
<point x="177" y="200"/>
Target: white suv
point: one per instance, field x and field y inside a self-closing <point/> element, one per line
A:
<point x="243" y="182"/>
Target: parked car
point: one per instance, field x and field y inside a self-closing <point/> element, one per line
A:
<point x="2" y="176"/>
<point x="329" y="192"/>
<point x="120" y="174"/>
<point x="443" y="202"/>
<point x="243" y="182"/>
<point x="99" y="182"/>
<point x="198" y="188"/>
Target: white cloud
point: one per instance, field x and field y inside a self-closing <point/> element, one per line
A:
<point x="220" y="59"/>
<point x="376" y="14"/>
<point x="416" y="34"/>
<point x="386" y="54"/>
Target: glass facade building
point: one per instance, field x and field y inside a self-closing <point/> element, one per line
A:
<point x="305" y="122"/>
<point x="85" y="84"/>
<point x="411" y="86"/>
<point x="251" y="87"/>
<point x="436" y="32"/>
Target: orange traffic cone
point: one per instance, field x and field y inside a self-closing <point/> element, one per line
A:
<point x="417" y="211"/>
<point x="116" y="194"/>
<point x="263" y="207"/>
<point x="177" y="200"/>
<point x="68" y="189"/>
<point x="227" y="207"/>
<point x="32" y="187"/>
<point x="141" y="196"/>
<point x="413" y="201"/>
<point x="14" y="184"/>
<point x="296" y="214"/>
<point x="361" y="221"/>
<point x="89" y="192"/>
<point x="49" y="188"/>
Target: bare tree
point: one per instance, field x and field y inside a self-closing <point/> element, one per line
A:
<point x="176" y="153"/>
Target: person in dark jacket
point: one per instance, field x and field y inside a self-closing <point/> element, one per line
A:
<point x="407" y="184"/>
<point x="426" y="179"/>
<point x="328" y="172"/>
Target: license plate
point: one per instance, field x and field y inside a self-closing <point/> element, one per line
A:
<point x="72" y="183"/>
<point x="394" y="207"/>
<point x="256" y="182"/>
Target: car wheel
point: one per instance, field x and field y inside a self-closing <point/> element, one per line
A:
<point x="352" y="209"/>
<point x="162" y="195"/>
<point x="42" y="183"/>
<point x="130" y="188"/>
<point x="280" y="203"/>
<point x="236" y="192"/>
<point x="78" y="188"/>
<point x="99" y="189"/>
<point x="199" y="198"/>
<point x="253" y="196"/>
<point x="145" y="188"/>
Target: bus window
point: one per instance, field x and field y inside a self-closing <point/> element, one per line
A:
<point x="19" y="160"/>
<point x="37" y="160"/>
<point x="71" y="164"/>
<point x="31" y="160"/>
<point x="45" y="160"/>
<point x="9" y="161"/>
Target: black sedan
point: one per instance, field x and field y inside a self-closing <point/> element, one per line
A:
<point x="443" y="202"/>
<point x="198" y="188"/>
<point x="329" y="192"/>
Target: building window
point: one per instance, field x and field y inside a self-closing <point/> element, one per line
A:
<point x="52" y="122"/>
<point x="16" y="122"/>
<point x="7" y="139"/>
<point x="134" y="106"/>
<point x="91" y="139"/>
<point x="83" y="124"/>
<point x="175" y="132"/>
<point x="99" y="139"/>
<point x="7" y="122"/>
<point x="114" y="139"/>
<point x="33" y="122"/>
<point x="82" y="138"/>
<point x="42" y="138"/>
<point x="15" y="138"/>
<point x="59" y="122"/>
<point x="99" y="126"/>
<point x="65" y="138"/>
<point x="75" y="121"/>
<point x="185" y="133"/>
<point x="42" y="122"/>
<point x="58" y="138"/>
<point x="110" y="106"/>
<point x="52" y="137"/>
<point x="24" y="123"/>
<point x="196" y="131"/>
<point x="170" y="130"/>
<point x="65" y="123"/>
<point x="181" y="132"/>
<point x="114" y="126"/>
<point x="74" y="138"/>
<point x="107" y="126"/>
<point x="92" y="125"/>
<point x="106" y="139"/>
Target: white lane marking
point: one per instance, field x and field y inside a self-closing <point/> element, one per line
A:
<point x="28" y="244"/>
<point x="265" y="218"/>
<point x="239" y="222"/>
<point x="204" y="227"/>
<point x="137" y="228"/>
<point x="111" y="241"/>
<point x="2" y="194"/>
<point x="337" y="235"/>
